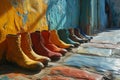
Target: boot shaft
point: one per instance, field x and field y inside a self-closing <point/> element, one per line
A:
<point x="46" y="36"/>
<point x="63" y="33"/>
<point x="3" y="48"/>
<point x="14" y="41"/>
<point x="26" y="42"/>
<point x="71" y="31"/>
<point x="37" y="42"/>
<point x="54" y="35"/>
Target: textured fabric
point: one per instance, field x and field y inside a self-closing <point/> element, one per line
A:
<point x="16" y="55"/>
<point x="39" y="48"/>
<point x="27" y="49"/>
<point x="22" y="15"/>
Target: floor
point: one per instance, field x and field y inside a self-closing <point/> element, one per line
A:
<point x="97" y="60"/>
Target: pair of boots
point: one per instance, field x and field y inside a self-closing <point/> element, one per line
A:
<point x="46" y="34"/>
<point x="56" y="40"/>
<point x="42" y="46"/>
<point x="17" y="49"/>
<point x="64" y="36"/>
<point x="79" y="33"/>
<point x="74" y="37"/>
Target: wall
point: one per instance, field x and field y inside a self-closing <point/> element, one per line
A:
<point x="85" y="15"/>
<point x="102" y="15"/>
<point x="63" y="13"/>
<point x="115" y="8"/>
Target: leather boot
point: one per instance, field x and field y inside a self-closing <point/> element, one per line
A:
<point x="74" y="37"/>
<point x="84" y="35"/>
<point x="39" y="48"/>
<point x="64" y="36"/>
<point x="56" y="40"/>
<point x="77" y="33"/>
<point x="16" y="55"/>
<point x="26" y="46"/>
<point x="3" y="48"/>
<point x="46" y="36"/>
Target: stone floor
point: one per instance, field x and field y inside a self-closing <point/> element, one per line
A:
<point x="96" y="60"/>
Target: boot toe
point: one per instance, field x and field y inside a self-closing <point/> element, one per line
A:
<point x="76" y="44"/>
<point x="56" y="57"/>
<point x="81" y="41"/>
<point x="45" y="61"/>
<point x="63" y="51"/>
<point x="36" y="66"/>
<point x="72" y="46"/>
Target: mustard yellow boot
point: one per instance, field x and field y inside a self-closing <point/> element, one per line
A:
<point x="3" y="48"/>
<point x="56" y="40"/>
<point x="17" y="56"/>
<point x="27" y="49"/>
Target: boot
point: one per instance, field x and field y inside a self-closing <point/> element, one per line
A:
<point x="84" y="35"/>
<point x="16" y="55"/>
<point x="39" y="48"/>
<point x="27" y="49"/>
<point x="3" y="48"/>
<point x="56" y="40"/>
<point x="48" y="44"/>
<point x="77" y="33"/>
<point x="64" y="36"/>
<point x="74" y="37"/>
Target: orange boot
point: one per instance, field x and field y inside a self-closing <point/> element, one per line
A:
<point x="46" y="37"/>
<point x="27" y="49"/>
<point x="56" y="40"/>
<point x="16" y="55"/>
<point x="39" y="48"/>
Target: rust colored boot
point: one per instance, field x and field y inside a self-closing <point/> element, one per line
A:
<point x="3" y="48"/>
<point x="27" y="49"/>
<point x="56" y="40"/>
<point x="16" y="55"/>
<point x="46" y="37"/>
<point x="39" y="48"/>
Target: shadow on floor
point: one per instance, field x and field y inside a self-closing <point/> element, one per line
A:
<point x="10" y="68"/>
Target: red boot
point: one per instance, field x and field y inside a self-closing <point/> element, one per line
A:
<point x="40" y="49"/>
<point x="47" y="42"/>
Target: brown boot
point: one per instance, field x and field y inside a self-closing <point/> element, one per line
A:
<point x="73" y="37"/>
<point x="27" y="49"/>
<point x="3" y="48"/>
<point x="16" y="55"/>
<point x="77" y="33"/>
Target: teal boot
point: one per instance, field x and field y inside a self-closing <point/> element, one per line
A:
<point x="64" y="36"/>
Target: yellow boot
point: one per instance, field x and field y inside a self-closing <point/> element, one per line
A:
<point x="3" y="48"/>
<point x="27" y="49"/>
<point x="56" y="40"/>
<point x="16" y="55"/>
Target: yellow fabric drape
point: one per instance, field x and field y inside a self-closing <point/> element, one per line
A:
<point x="12" y="14"/>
